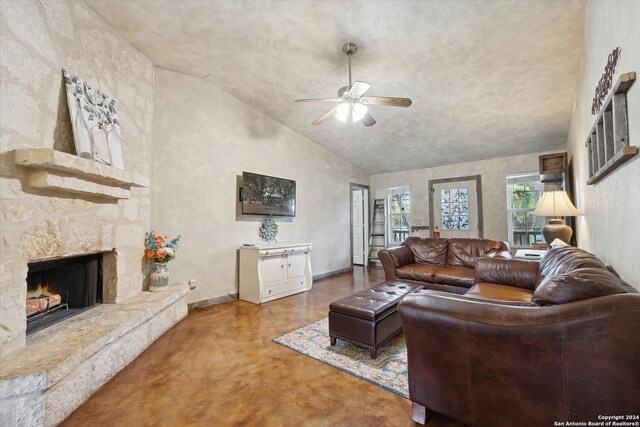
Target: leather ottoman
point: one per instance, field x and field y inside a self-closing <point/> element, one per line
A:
<point x="369" y="318"/>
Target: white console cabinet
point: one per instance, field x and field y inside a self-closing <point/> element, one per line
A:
<point x="270" y="272"/>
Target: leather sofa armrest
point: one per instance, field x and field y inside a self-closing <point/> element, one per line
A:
<point x="521" y="274"/>
<point x="417" y="308"/>
<point x="393" y="258"/>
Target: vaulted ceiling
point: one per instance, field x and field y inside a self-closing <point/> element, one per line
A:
<point x="487" y="78"/>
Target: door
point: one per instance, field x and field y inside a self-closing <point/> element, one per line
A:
<point x="455" y="207"/>
<point x="359" y="218"/>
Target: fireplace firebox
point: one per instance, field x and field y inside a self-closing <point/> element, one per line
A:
<point x="61" y="288"/>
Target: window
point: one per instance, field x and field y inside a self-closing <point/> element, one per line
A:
<point x="523" y="193"/>
<point x="398" y="218"/>
<point x="454" y="208"/>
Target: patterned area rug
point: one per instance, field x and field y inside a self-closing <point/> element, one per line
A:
<point x="388" y="370"/>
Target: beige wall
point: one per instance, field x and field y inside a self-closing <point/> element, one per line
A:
<point x="609" y="227"/>
<point x="203" y="139"/>
<point x="38" y="39"/>
<point x="494" y="175"/>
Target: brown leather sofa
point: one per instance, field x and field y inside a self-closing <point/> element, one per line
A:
<point x="530" y="344"/>
<point x="441" y="264"/>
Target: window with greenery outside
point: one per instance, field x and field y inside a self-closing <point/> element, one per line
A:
<point x="523" y="193"/>
<point x="399" y="214"/>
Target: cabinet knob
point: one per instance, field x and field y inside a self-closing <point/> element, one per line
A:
<point x="289" y="264"/>
<point x="269" y="291"/>
<point x="282" y="266"/>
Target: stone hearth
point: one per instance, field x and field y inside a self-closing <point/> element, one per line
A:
<point x="61" y="366"/>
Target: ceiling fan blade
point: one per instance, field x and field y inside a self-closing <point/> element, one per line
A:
<point x="320" y="100"/>
<point x="368" y="120"/>
<point x="325" y="116"/>
<point x="389" y="101"/>
<point x="358" y="89"/>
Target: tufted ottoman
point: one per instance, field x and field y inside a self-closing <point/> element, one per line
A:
<point x="369" y="318"/>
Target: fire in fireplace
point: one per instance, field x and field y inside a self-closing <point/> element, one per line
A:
<point x="61" y="288"/>
<point x="41" y="299"/>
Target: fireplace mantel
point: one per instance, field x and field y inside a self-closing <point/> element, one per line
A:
<point x="55" y="170"/>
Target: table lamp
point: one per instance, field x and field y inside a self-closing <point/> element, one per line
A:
<point x="556" y="203"/>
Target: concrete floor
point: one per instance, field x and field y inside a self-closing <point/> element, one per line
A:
<point x="219" y="367"/>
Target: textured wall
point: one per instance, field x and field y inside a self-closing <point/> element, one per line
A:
<point x="494" y="181"/>
<point x="37" y="40"/>
<point x="203" y="139"/>
<point x="609" y="227"/>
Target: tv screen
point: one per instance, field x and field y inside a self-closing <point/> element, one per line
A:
<point x="268" y="195"/>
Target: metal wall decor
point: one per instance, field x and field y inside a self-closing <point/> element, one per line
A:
<point x="268" y="230"/>
<point x="602" y="89"/>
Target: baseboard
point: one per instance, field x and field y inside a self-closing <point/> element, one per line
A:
<point x="212" y="301"/>
<point x="331" y="273"/>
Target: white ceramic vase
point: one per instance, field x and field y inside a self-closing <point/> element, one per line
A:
<point x="159" y="277"/>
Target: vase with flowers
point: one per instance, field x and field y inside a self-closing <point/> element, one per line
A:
<point x="158" y="250"/>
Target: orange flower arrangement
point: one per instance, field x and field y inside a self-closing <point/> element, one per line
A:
<point x="157" y="250"/>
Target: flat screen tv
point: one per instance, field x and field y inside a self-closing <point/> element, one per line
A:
<point x="268" y="195"/>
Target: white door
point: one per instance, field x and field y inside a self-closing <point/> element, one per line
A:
<point x="455" y="209"/>
<point x="359" y="219"/>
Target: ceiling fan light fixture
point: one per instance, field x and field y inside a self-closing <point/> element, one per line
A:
<point x="350" y="100"/>
<point x="358" y="112"/>
<point x="342" y="111"/>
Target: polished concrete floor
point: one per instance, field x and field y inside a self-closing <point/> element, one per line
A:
<point x="219" y="367"/>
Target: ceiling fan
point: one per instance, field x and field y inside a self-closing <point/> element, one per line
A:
<point x="351" y="103"/>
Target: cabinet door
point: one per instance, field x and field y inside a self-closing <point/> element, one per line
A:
<point x="272" y="269"/>
<point x="296" y="264"/>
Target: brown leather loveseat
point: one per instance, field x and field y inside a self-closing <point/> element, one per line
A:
<point x="531" y="344"/>
<point x="441" y="264"/>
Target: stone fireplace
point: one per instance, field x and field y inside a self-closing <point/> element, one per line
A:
<point x="56" y="206"/>
<point x="73" y="309"/>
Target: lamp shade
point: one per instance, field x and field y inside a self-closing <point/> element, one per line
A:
<point x="555" y="203"/>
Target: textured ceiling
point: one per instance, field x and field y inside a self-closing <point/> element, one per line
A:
<point x="487" y="78"/>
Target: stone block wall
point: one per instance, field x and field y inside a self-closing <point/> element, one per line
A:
<point x="37" y="40"/>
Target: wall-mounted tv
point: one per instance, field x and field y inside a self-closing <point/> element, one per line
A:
<point x="268" y="195"/>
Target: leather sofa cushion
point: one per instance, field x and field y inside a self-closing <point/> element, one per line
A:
<point x="565" y="259"/>
<point x="493" y="291"/>
<point x="428" y="251"/>
<point x="373" y="303"/>
<point x="456" y="276"/>
<point x="463" y="252"/>
<point x="522" y="274"/>
<point x="579" y="284"/>
<point x="419" y="272"/>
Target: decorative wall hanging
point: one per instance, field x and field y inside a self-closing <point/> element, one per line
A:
<point x="268" y="230"/>
<point x="94" y="119"/>
<point x="605" y="81"/>
<point x="608" y="141"/>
